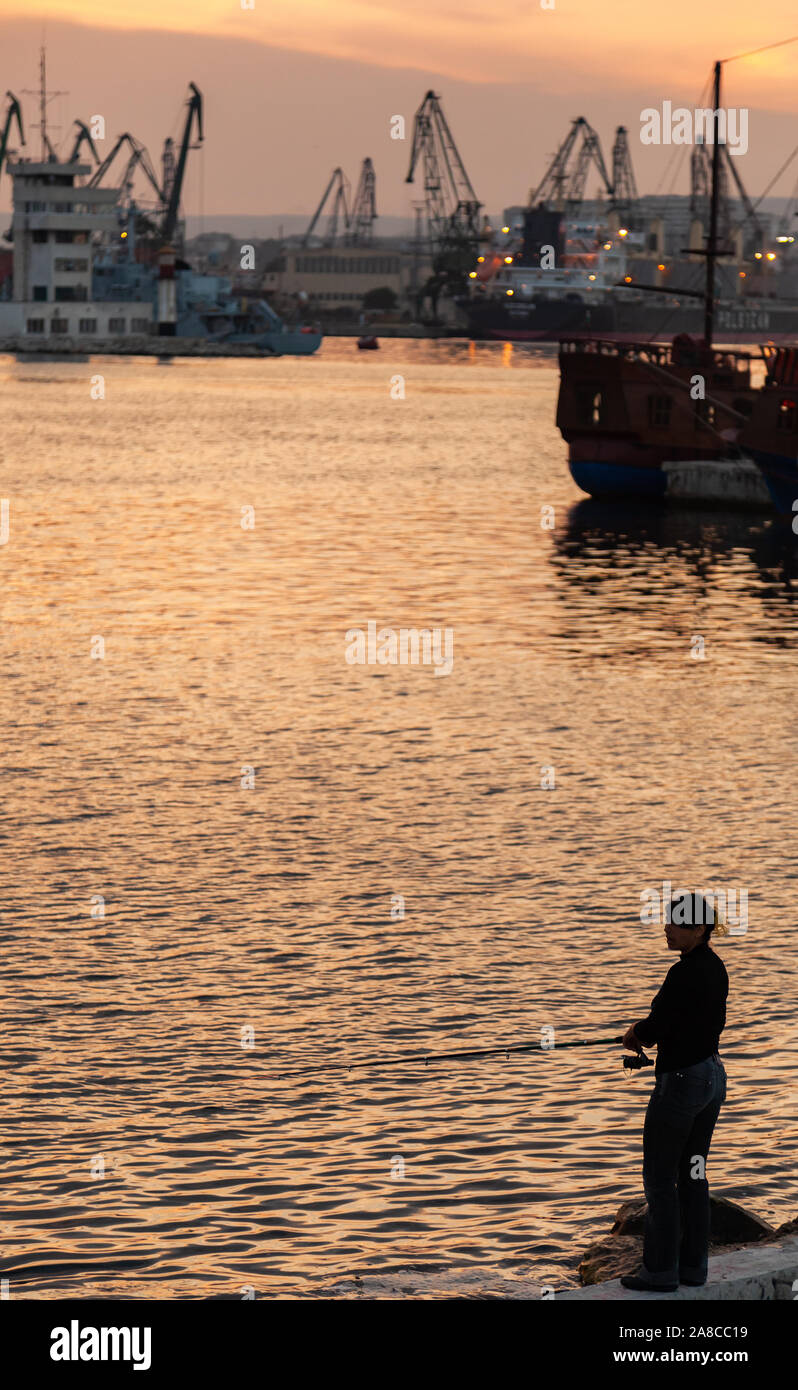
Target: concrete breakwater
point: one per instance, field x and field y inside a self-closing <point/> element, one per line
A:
<point x="133" y="345"/>
<point x="749" y="1258"/>
<point x="759" y="1273"/>
<point x="150" y="345"/>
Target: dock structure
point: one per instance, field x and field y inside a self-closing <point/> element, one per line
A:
<point x="758" y="1273"/>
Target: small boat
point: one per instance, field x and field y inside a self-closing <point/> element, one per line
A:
<point x="368" y="341"/>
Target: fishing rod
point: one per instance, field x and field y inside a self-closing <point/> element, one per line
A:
<point x="424" y="1058"/>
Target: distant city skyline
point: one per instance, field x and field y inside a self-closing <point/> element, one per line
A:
<point x="296" y="87"/>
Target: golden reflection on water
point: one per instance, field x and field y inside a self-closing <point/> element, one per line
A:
<point x="147" y="1152"/>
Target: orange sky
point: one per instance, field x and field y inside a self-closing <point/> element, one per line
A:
<point x="474" y="40"/>
<point x="294" y="87"/>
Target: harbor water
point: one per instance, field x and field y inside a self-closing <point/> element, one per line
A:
<point x="230" y="852"/>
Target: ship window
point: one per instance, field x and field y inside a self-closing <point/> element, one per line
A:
<point x="59" y="325"/>
<point x="590" y="405"/>
<point x="659" y="412"/>
<point x="40" y="292"/>
<point x="88" y="325"/>
<point x="35" y="325"/>
<point x="786" y="418"/>
<point x="116" y="325"/>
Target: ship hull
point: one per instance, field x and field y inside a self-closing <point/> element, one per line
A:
<point x="549" y="320"/>
<point x="770" y="435"/>
<point x="781" y="475"/>
<point x="613" y="481"/>
<point x="634" y="429"/>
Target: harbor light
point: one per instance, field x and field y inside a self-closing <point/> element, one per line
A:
<point x="591" y="277"/>
<point x="508" y="260"/>
<point x="627" y="279"/>
<point x="123" y="235"/>
<point x="472" y="275"/>
<point x="608" y="246"/>
<point x="742" y="274"/>
<point x="771" y="255"/>
<point x="481" y="259"/>
<point x="785" y="239"/>
<point x="660" y="267"/>
<point x="757" y="255"/>
<point x="623" y="231"/>
<point x="509" y="291"/>
<point x="505" y="230"/>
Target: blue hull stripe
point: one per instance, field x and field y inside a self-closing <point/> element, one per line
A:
<point x="617" y="479"/>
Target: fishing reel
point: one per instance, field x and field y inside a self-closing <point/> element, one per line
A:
<point x="635" y="1063"/>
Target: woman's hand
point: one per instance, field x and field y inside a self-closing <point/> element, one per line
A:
<point x="631" y="1041"/>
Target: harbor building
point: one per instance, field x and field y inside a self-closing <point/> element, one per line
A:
<point x="56" y="223"/>
<point x="335" y="277"/>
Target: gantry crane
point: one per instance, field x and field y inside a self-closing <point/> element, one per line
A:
<point x="624" y="187"/>
<point x="193" y="114"/>
<point x="360" y="231"/>
<point x="83" y="136"/>
<point x="452" y="206"/>
<point x="700" y="186"/>
<point x="338" y="188"/>
<point x="138" y="156"/>
<point x="13" y="113"/>
<point x="563" y="188"/>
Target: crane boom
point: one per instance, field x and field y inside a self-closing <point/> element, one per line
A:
<point x="338" y="185"/>
<point x="364" y="208"/>
<point x="83" y="135"/>
<point x="138" y="155"/>
<point x="14" y="112"/>
<point x="551" y="188"/>
<point x="452" y="205"/>
<point x="194" y="112"/>
<point x="624" y="187"/>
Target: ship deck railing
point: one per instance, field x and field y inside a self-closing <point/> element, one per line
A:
<point x="661" y="354"/>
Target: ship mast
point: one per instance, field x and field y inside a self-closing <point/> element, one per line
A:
<point x="44" y="99"/>
<point x="712" y="241"/>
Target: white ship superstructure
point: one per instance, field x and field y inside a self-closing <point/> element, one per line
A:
<point x="57" y="221"/>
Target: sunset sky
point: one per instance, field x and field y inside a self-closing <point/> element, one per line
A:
<point x="295" y="87"/>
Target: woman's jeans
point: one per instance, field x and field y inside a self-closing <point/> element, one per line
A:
<point x="681" y="1115"/>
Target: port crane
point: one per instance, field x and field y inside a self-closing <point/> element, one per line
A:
<point x="563" y="185"/>
<point x="338" y="190"/>
<point x="452" y="206"/>
<point x="624" y="185"/>
<point x="700" y="186"/>
<point x="360" y="230"/>
<point x="355" y="219"/>
<point x="138" y="157"/>
<point x="193" y="116"/>
<point x="13" y="113"/>
<point x="82" y="137"/>
<point x="168" y="190"/>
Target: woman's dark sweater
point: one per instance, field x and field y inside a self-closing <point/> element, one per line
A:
<point x="689" y="1012"/>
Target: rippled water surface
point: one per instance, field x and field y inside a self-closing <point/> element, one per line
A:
<point x="147" y="1149"/>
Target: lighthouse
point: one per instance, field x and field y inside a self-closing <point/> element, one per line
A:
<point x="167" y="293"/>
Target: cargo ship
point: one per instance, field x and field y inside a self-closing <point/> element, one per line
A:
<point x="590" y="293"/>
